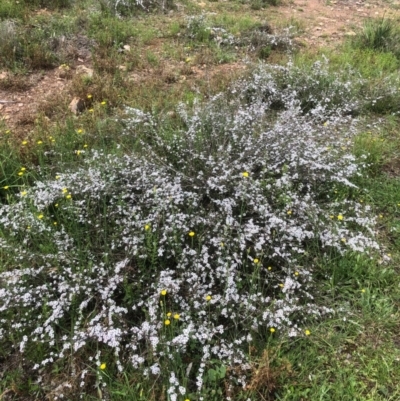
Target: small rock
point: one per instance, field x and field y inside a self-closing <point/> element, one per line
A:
<point x="81" y="69"/>
<point x="122" y="67"/>
<point x="134" y="77"/>
<point x="350" y="33"/>
<point x="20" y="104"/>
<point x="127" y="48"/>
<point x="77" y="105"/>
<point x="64" y="71"/>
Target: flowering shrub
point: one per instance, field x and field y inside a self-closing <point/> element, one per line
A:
<point x="124" y="7"/>
<point x="199" y="28"/>
<point x="180" y="255"/>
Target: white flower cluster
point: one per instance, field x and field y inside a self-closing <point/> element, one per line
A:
<point x="199" y="27"/>
<point x="186" y="251"/>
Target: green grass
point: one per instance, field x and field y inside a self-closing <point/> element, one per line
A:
<point x="379" y="34"/>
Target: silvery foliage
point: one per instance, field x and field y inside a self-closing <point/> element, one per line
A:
<point x="119" y="7"/>
<point x="8" y="33"/>
<point x="123" y="238"/>
<point x="253" y="39"/>
<point x="198" y="24"/>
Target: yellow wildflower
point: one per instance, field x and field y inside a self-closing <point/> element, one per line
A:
<point x="256" y="261"/>
<point x="169" y="314"/>
<point x="167" y="322"/>
<point x="64" y="190"/>
<point x="177" y="316"/>
<point x="89" y="96"/>
<point x="272" y="330"/>
<point x="208" y="298"/>
<point x="289" y="212"/>
<point x="269" y="268"/>
<point x="245" y="174"/>
<point x="23" y="168"/>
<point x="340" y="217"/>
<point x="363" y="290"/>
<point x="40" y="216"/>
<point x="69" y="196"/>
<point x="23" y="193"/>
<point x="103" y="103"/>
<point x="191" y="234"/>
<point x="20" y="173"/>
<point x="24" y="142"/>
<point x="6" y="187"/>
<point x="147" y="227"/>
<point x="307" y="332"/>
<point x="103" y="366"/>
<point x="163" y="292"/>
<point x="296" y="273"/>
<point x="39" y="142"/>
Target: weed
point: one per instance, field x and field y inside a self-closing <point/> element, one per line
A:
<point x="382" y="35"/>
<point x="259" y="4"/>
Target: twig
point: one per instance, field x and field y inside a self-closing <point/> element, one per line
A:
<point x="6" y="101"/>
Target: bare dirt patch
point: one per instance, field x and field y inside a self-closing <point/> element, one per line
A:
<point x="327" y="22"/>
<point x="19" y="107"/>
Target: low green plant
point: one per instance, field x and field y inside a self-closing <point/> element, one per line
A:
<point x="381" y="35"/>
<point x="264" y="52"/>
<point x="258" y="4"/>
<point x="52" y="4"/>
<point x="11" y="10"/>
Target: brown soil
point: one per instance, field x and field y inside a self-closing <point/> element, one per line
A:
<point x="20" y="106"/>
<point x="327" y="22"/>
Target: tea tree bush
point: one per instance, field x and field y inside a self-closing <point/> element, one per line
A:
<point x="126" y="7"/>
<point x="174" y="259"/>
